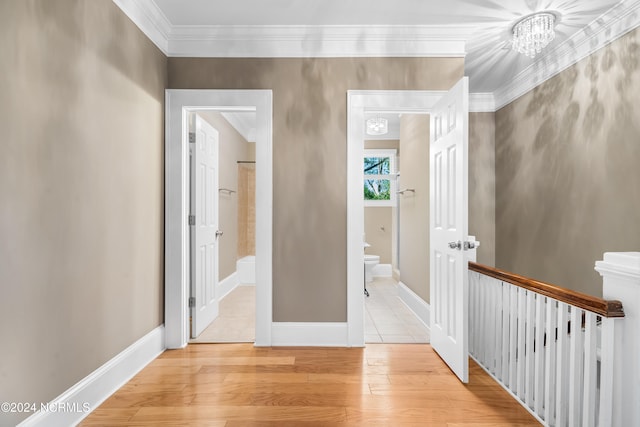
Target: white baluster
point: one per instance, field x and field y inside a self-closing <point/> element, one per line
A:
<point x="522" y="315"/>
<point x="491" y="320"/>
<point x="590" y="370"/>
<point x="561" y="366"/>
<point x="550" y="357"/>
<point x="575" y="367"/>
<point x="505" y="332"/>
<point x="529" y="353"/>
<point x="497" y="350"/>
<point x="607" y="372"/>
<point x="513" y="337"/>
<point x="539" y="355"/>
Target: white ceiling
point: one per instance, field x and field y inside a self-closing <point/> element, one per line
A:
<point x="479" y="28"/>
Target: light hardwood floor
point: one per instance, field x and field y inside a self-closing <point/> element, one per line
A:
<point x="237" y="385"/>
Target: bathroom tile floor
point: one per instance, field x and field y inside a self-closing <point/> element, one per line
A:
<point x="387" y="318"/>
<point x="236" y="319"/>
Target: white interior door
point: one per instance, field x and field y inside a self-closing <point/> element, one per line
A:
<point x="204" y="227"/>
<point x="449" y="227"/>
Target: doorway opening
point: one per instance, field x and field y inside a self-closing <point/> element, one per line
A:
<point x="396" y="210"/>
<point x="179" y="105"/>
<point x="223" y="304"/>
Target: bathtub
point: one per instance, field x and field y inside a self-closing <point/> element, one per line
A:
<point x="246" y="270"/>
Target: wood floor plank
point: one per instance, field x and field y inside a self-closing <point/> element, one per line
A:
<point x="239" y="385"/>
<point x="246" y="413"/>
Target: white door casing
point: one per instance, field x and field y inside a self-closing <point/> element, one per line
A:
<point x="179" y="103"/>
<point x="448" y="161"/>
<point x="204" y="230"/>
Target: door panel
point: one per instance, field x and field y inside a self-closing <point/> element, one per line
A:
<point x="448" y="230"/>
<point x="204" y="240"/>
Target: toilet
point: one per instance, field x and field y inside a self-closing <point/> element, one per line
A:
<point x="370" y="261"/>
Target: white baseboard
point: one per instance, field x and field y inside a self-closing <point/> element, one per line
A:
<point x="95" y="388"/>
<point x="310" y="334"/>
<point x="228" y="284"/>
<point x="382" y="270"/>
<point x="416" y="304"/>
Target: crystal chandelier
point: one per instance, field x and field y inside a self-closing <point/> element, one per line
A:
<point x="533" y="33"/>
<point x="377" y="126"/>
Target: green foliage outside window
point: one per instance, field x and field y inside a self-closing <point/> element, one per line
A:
<point x="377" y="189"/>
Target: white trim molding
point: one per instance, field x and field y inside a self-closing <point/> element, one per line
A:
<point x="309" y="334"/>
<point x="420" y="307"/>
<point x="318" y="41"/>
<point x="150" y="19"/>
<point x="295" y="41"/>
<point x="86" y="395"/>
<point x="482" y="102"/>
<point x="227" y="285"/>
<point x="612" y="25"/>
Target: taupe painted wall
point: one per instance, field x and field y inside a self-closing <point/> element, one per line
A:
<point x="482" y="185"/>
<point x="567" y="174"/>
<point x="309" y="161"/>
<point x="232" y="147"/>
<point x="414" y="207"/>
<point x="81" y="192"/>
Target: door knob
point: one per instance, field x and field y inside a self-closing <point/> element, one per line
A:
<point x="219" y="233"/>
<point x="455" y="245"/>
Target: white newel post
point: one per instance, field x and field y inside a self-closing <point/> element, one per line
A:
<point x="620" y="272"/>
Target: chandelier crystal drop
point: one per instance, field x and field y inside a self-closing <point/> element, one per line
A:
<point x="377" y="126"/>
<point x="534" y="33"/>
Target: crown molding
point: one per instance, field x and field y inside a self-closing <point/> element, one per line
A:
<point x="305" y="41"/>
<point x="612" y="25"/>
<point x="482" y="102"/>
<point x="301" y="41"/>
<point x="150" y="19"/>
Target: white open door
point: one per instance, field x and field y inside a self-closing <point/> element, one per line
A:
<point x="448" y="159"/>
<point x="204" y="227"/>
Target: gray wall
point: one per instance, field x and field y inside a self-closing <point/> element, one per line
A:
<point x="310" y="160"/>
<point x="232" y="147"/>
<point x="567" y="175"/>
<point x="414" y="207"/>
<point x="482" y="185"/>
<point x="81" y="192"/>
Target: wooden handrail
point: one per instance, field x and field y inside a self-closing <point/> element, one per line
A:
<point x="605" y="308"/>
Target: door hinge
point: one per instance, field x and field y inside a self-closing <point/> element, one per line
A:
<point x="192" y="302"/>
<point x="192" y="220"/>
<point x="192" y="137"/>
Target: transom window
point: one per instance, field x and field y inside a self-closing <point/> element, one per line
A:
<point x="379" y="177"/>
